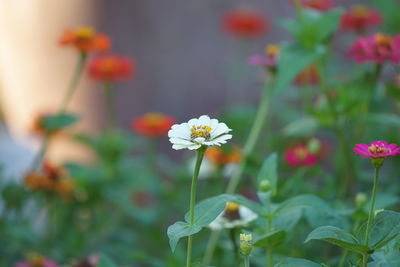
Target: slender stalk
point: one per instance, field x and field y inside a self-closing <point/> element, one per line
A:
<point x="212" y="242"/>
<point x="251" y="139"/>
<point x="269" y="228"/>
<point x="109" y="92"/>
<point x="152" y="153"/>
<point x="71" y="88"/>
<point x="365" y="259"/>
<point x="371" y="209"/>
<point x="246" y="261"/>
<point x="200" y="154"/>
<point x="232" y="234"/>
<point x="74" y="82"/>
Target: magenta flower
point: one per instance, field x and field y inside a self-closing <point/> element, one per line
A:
<point x="377" y="149"/>
<point x="377" y="48"/>
<point x="268" y="60"/>
<point x="300" y="155"/>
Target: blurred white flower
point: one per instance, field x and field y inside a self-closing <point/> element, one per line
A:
<point x="233" y="216"/>
<point x="198" y="132"/>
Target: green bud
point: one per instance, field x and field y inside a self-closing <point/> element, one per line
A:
<point x="361" y="199"/>
<point x="245" y="244"/>
<point x="314" y="145"/>
<point x="265" y="186"/>
<point x="377" y="162"/>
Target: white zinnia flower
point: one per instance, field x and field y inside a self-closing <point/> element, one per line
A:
<point x="233" y="216"/>
<point x="197" y="132"/>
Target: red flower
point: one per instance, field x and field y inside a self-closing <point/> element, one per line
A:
<point x="358" y="18"/>
<point x="321" y="5"/>
<point x="85" y="40"/>
<point x="111" y="68"/>
<point x="300" y="155"/>
<point x="377" y="149"/>
<point x="377" y="48"/>
<point x="153" y="124"/>
<point x="244" y="23"/>
<point x="309" y="76"/>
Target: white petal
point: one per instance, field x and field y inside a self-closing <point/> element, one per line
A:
<point x="247" y="214"/>
<point x="178" y="146"/>
<point x="180" y="141"/>
<point x="220" y="129"/>
<point x="193" y="147"/>
<point x="204" y="120"/>
<point x="199" y="140"/>
<point x="192" y="122"/>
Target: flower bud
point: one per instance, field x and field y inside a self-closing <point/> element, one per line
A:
<point x="378" y="211"/>
<point x="265" y="186"/>
<point x="377" y="162"/>
<point x="245" y="244"/>
<point x="360" y="199"/>
<point x="314" y="145"/>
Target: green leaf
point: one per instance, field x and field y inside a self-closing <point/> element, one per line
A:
<point x="269" y="172"/>
<point x="385" y="227"/>
<point x="179" y="230"/>
<point x="301" y="127"/>
<point x="296" y="262"/>
<point x="314" y="209"/>
<point x="385" y="119"/>
<point x="59" y="121"/>
<point x="207" y="210"/>
<point x="105" y="261"/>
<point x="315" y="27"/>
<point x="271" y="239"/>
<point x="337" y="237"/>
<point x="293" y="58"/>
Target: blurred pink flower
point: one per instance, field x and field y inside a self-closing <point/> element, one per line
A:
<point x="300" y="155"/>
<point x="37" y="262"/>
<point x="377" y="149"/>
<point x="377" y="48"/>
<point x="268" y="60"/>
<point x="359" y="17"/>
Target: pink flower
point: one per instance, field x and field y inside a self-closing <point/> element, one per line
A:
<point x="42" y="262"/>
<point x="300" y="155"/>
<point x="377" y="149"/>
<point x="358" y="18"/>
<point x="269" y="60"/>
<point x="377" y="48"/>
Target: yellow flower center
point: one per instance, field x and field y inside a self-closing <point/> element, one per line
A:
<point x="84" y="32"/>
<point x="200" y="131"/>
<point x="272" y="50"/>
<point x="153" y="119"/>
<point x="383" y="39"/>
<point x="360" y="11"/>
<point x="35" y="260"/>
<point x="232" y="206"/>
<point x="232" y="211"/>
<point x="301" y="153"/>
<point x="376" y="149"/>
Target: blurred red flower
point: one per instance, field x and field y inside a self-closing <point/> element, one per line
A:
<point x="359" y="18"/>
<point x="300" y="155"/>
<point x="153" y="124"/>
<point x="85" y="40"/>
<point x="244" y="23"/>
<point x="35" y="260"/>
<point x="222" y="156"/>
<point x="377" y="48"/>
<point x="309" y="76"/>
<point x="321" y="5"/>
<point x="111" y="68"/>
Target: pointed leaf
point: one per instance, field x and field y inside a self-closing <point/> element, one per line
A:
<point x="272" y="239"/>
<point x="337" y="237"/>
<point x="179" y="230"/>
<point x="269" y="172"/>
<point x="59" y="121"/>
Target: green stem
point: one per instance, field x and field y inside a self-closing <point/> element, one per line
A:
<point x="246" y="261"/>
<point x="152" y="153"/>
<point x="74" y="82"/>
<point x="109" y="92"/>
<point x="371" y="209"/>
<point x="365" y="259"/>
<point x="200" y="154"/>
<point x="212" y="243"/>
<point x="251" y="140"/>
<point x="232" y="234"/>
<point x="63" y="106"/>
<point x="269" y="228"/>
<point x="343" y="258"/>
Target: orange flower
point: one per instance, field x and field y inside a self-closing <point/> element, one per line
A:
<point x="153" y="124"/>
<point x="86" y="40"/>
<point x="50" y="179"/>
<point x="111" y="68"/>
<point x="308" y="76"/>
<point x="244" y="22"/>
<point x="221" y="157"/>
<point x="359" y="18"/>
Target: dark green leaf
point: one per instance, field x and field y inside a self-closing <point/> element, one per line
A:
<point x="385" y="227"/>
<point x="337" y="237"/>
<point x="272" y="239"/>
<point x="59" y="121"/>
<point x="179" y="230"/>
<point x="295" y="262"/>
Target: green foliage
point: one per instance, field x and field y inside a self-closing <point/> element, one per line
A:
<point x="179" y="230"/>
<point x="105" y="261"/>
<point x="271" y="239"/>
<point x="295" y="262"/>
<point x="338" y="237"/>
<point x="58" y="122"/>
<point x="269" y="172"/>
